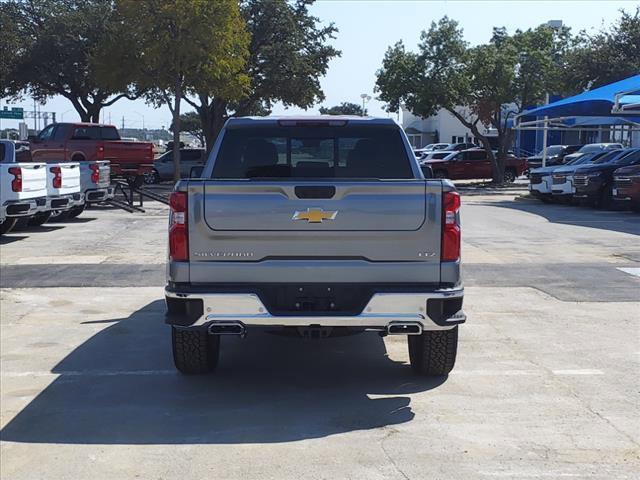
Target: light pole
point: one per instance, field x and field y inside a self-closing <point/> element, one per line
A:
<point x="62" y="114"/>
<point x="144" y="136"/>
<point x="365" y="99"/>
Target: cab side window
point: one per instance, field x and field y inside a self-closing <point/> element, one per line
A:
<point x="476" y="155"/>
<point x="47" y="133"/>
<point x="60" y="133"/>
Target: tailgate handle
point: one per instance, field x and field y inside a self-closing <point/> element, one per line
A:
<point x="315" y="191"/>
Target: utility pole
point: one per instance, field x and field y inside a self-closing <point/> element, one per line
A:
<point x="35" y="116"/>
<point x="123" y="122"/>
<point x="544" y="133"/>
<point x="365" y="98"/>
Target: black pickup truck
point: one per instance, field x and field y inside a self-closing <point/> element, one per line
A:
<point x="594" y="182"/>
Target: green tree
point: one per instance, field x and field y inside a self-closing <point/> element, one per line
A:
<point x="12" y="47"/>
<point x="345" y="108"/>
<point x="610" y="55"/>
<point x="186" y="46"/>
<point x="190" y="123"/>
<point x="483" y="86"/>
<point x="288" y="53"/>
<point x="59" y="51"/>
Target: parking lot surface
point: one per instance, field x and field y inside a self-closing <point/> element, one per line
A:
<point x="545" y="385"/>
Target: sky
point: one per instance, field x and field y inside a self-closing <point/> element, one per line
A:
<point x="366" y="28"/>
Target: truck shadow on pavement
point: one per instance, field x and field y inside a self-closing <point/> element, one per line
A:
<point x="120" y="387"/>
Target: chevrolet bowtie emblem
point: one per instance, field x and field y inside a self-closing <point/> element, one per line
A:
<point x="314" y="215"/>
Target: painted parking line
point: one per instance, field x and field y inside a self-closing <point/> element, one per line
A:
<point x="630" y="270"/>
<point x="582" y="371"/>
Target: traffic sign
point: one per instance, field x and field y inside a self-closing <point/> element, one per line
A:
<point x="16" y="113"/>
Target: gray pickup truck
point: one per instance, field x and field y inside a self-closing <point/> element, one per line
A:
<point x="318" y="227"/>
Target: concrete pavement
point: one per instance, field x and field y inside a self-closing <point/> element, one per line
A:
<point x="545" y="385"/>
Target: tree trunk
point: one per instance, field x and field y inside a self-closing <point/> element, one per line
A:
<point x="212" y="117"/>
<point x="94" y="114"/>
<point x="176" y="130"/>
<point x="497" y="170"/>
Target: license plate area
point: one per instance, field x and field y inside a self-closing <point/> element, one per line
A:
<point x="315" y="299"/>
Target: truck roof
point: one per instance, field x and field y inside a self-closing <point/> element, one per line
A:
<point x="277" y="119"/>
<point x="86" y="124"/>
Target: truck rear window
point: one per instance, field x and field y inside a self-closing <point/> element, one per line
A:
<point x="95" y="133"/>
<point x="312" y="152"/>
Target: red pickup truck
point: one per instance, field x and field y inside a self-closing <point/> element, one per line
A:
<point x="474" y="163"/>
<point x="90" y="141"/>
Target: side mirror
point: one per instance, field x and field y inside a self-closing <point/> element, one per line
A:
<point x="427" y="171"/>
<point x="196" y="172"/>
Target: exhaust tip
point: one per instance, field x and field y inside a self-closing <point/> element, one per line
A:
<point x="227" y="328"/>
<point x="400" y="328"/>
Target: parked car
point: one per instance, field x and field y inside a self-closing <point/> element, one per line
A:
<point x="430" y="148"/>
<point x="163" y="166"/>
<point x="562" y="187"/>
<point x="23" y="187"/>
<point x="626" y="186"/>
<point x="591" y="148"/>
<point x="435" y="155"/>
<point x="77" y="142"/>
<point x="474" y="163"/>
<point x="594" y="182"/>
<point x="338" y="235"/>
<point x="456" y="147"/>
<point x="556" y="155"/>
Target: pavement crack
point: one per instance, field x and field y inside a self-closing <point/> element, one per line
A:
<point x="389" y="434"/>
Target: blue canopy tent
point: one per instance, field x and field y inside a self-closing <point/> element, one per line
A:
<point x="598" y="102"/>
<point x="612" y="109"/>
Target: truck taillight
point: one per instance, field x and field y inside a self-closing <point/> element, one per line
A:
<point x="151" y="152"/>
<point x="450" y="250"/>
<point x="16" y="183"/>
<point x="95" y="173"/>
<point x="57" y="176"/>
<point x="100" y="152"/>
<point x="178" y="228"/>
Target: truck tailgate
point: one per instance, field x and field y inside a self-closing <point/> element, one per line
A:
<point x="370" y="230"/>
<point x="118" y="151"/>
<point x="70" y="174"/>
<point x="34" y="180"/>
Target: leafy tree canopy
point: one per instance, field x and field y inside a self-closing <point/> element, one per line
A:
<point x="610" y="55"/>
<point x="190" y="123"/>
<point x="480" y="86"/>
<point x="58" y="52"/>
<point x="190" y="46"/>
<point x="288" y="54"/>
<point x="345" y="108"/>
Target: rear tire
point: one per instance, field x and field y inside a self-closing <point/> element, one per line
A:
<point x="22" y="223"/>
<point x="59" y="215"/>
<point x="433" y="352"/>
<point x="605" y="200"/>
<point x="75" y="211"/>
<point x="509" y="175"/>
<point x="152" y="177"/>
<point x="194" y="350"/>
<point x="39" y="219"/>
<point x="7" y="225"/>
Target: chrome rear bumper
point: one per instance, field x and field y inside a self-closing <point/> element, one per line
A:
<point x="382" y="310"/>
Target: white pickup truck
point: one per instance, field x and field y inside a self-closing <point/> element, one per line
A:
<point x="23" y="187"/>
<point x="63" y="191"/>
<point x="95" y="181"/>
